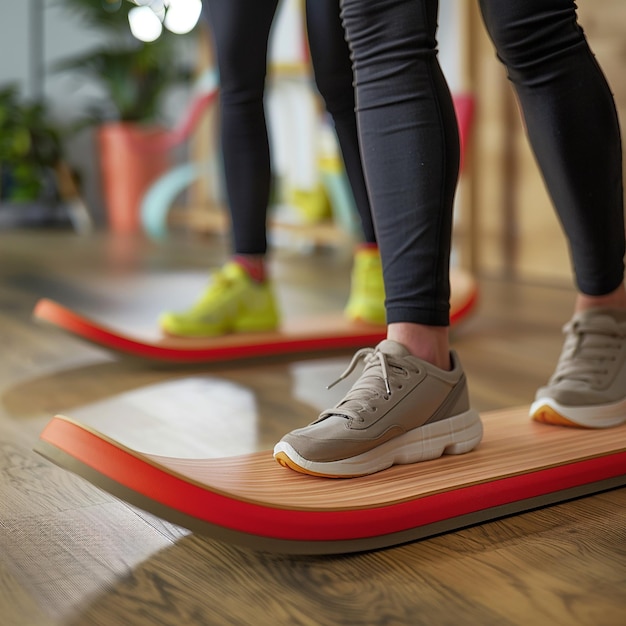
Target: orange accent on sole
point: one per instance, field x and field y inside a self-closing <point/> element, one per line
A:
<point x="547" y="415"/>
<point x="285" y="461"/>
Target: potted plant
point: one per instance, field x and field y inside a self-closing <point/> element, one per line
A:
<point x="30" y="155"/>
<point x="30" y="148"/>
<point x="135" y="76"/>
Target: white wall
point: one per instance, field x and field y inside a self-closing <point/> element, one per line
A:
<point x="20" y="60"/>
<point x="450" y="40"/>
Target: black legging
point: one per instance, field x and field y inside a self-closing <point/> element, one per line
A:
<point x="410" y="144"/>
<point x="241" y="30"/>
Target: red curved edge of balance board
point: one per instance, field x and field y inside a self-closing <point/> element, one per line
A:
<point x="252" y="501"/>
<point x="324" y="333"/>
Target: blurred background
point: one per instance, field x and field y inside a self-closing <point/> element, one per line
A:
<point x="85" y="104"/>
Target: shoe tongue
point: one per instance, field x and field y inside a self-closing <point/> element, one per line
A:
<point x="233" y="270"/>
<point x="392" y="348"/>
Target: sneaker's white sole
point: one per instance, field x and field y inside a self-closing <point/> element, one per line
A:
<point x="455" y="435"/>
<point x="549" y="411"/>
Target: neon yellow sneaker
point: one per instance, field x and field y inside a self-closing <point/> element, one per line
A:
<point x="232" y="303"/>
<point x="367" y="291"/>
<point x="312" y="205"/>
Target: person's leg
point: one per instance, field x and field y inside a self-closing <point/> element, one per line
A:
<point x="330" y="57"/>
<point x="411" y="402"/>
<point x="410" y="146"/>
<point x="573" y="129"/>
<point x="240" y="32"/>
<point x="239" y="297"/>
<point x="332" y="67"/>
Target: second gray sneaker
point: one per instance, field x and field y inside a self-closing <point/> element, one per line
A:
<point x="400" y="410"/>
<point x="588" y="387"/>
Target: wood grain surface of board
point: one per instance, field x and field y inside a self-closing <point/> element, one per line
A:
<point x="249" y="499"/>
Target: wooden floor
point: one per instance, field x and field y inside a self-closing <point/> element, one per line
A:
<point x="70" y="554"/>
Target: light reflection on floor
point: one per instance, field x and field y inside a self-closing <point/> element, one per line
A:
<point x="198" y="416"/>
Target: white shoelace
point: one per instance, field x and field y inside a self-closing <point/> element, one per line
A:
<point x="373" y="383"/>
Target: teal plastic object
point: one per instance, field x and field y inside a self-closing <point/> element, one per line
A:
<point x="342" y="202"/>
<point x="159" y="198"/>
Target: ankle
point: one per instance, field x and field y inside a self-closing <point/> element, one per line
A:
<point x="254" y="264"/>
<point x="429" y="343"/>
<point x="613" y="300"/>
<point x="366" y="245"/>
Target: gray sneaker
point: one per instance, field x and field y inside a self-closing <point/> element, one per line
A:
<point x="588" y="387"/>
<point x="400" y="410"/>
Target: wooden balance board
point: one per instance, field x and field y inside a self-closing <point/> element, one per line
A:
<point x="252" y="501"/>
<point x="299" y="336"/>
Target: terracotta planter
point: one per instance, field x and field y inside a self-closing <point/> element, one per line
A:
<point x="131" y="159"/>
